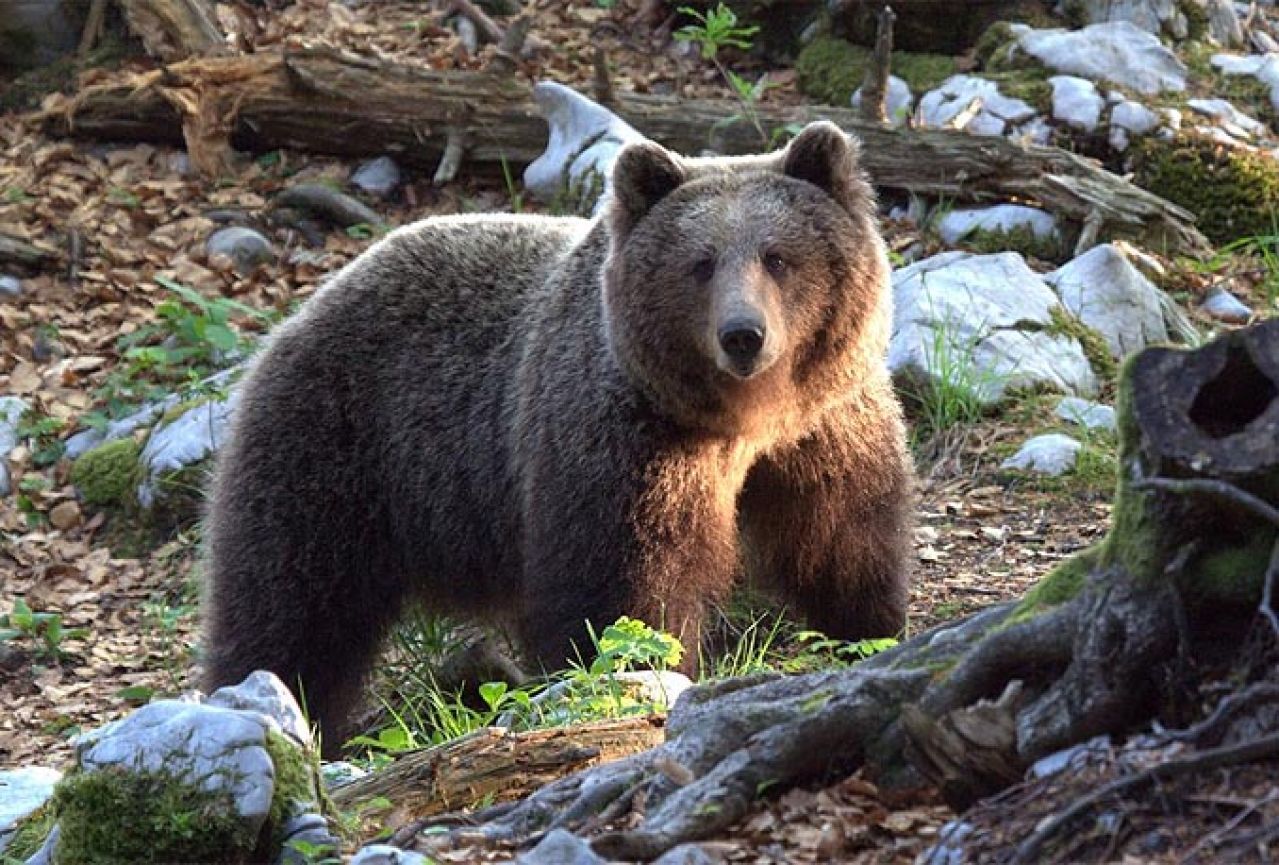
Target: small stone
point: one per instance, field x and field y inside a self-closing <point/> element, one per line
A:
<point x="1086" y="413"/>
<point x="940" y="107"/>
<point x="955" y="225"/>
<point x="12" y="409"/>
<point x="243" y="247"/>
<point x="65" y="516"/>
<point x="1225" y="307"/>
<point x="339" y="773"/>
<point x="1076" y="102"/>
<point x="1234" y="121"/>
<point x="379" y="177"/>
<point x="686" y="854"/>
<point x="385" y="854"/>
<point x="1052" y="454"/>
<point x="561" y="847"/>
<point x="10" y="286"/>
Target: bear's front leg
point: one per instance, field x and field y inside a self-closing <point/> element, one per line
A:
<point x="651" y="537"/>
<point x="827" y="524"/>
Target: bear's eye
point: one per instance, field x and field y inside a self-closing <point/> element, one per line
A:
<point x="704" y="269"/>
<point x="775" y="264"/>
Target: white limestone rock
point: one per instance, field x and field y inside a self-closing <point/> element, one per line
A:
<point x="899" y="103"/>
<point x="1053" y="454"/>
<point x="1086" y="413"/>
<point x="1118" y="52"/>
<point x="955" y="225"/>
<point x="1076" y="102"/>
<point x="941" y="107"/>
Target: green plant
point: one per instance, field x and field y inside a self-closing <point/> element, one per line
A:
<point x="1263" y="249"/>
<point x="512" y="190"/>
<point x="43" y="629"/>
<point x="959" y="388"/>
<point x="41" y="433"/>
<point x="715" y="30"/>
<point x="820" y="652"/>
<point x="754" y="650"/>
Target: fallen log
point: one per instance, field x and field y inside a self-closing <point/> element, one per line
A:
<point x="174" y="29"/>
<point x="325" y="100"/>
<point x="16" y="251"/>
<point x="496" y="765"/>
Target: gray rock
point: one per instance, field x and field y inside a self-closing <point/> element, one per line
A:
<point x="22" y="791"/>
<point x="1037" y="130"/>
<point x="1263" y="67"/>
<point x="192" y="436"/>
<point x="302" y="836"/>
<point x="1105" y="291"/>
<point x="1223" y="24"/>
<point x="561" y="847"/>
<point x="1086" y="413"/>
<point x="687" y="854"/>
<point x="1225" y="307"/>
<point x="379" y="177"/>
<point x="245" y="247"/>
<point x="1076" y="102"/>
<point x="36" y="32"/>
<point x="987" y="319"/>
<point x="1152" y="16"/>
<point x="943" y="106"/>
<point x="10" y="286"/>
<point x="1118" y="52"/>
<point x="265" y="693"/>
<point x="1231" y="119"/>
<point x="385" y="854"/>
<point x="585" y="138"/>
<point x="1052" y="454"/>
<point x="1075" y="755"/>
<point x="1129" y="118"/>
<point x="899" y="103"/>
<point x="12" y="409"/>
<point x="955" y="225"/>
<point x="214" y="749"/>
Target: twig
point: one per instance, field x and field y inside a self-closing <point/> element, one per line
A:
<point x="510" y="45"/>
<point x="601" y="81"/>
<point x="874" y="103"/>
<point x="1259" y="749"/>
<point x="1227" y="709"/>
<point x="1093" y="224"/>
<point x="92" y="27"/>
<point x="451" y="160"/>
<point x="1214" y="837"/>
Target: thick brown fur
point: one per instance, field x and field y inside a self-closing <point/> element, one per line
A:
<point x="530" y="419"/>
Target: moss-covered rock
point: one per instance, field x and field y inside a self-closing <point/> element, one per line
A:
<point x="830" y="69"/>
<point x="1232" y="190"/>
<point x="108" y="474"/>
<point x="1020" y="238"/>
<point x="29" y="835"/>
<point x="1095" y="348"/>
<point x="115" y="817"/>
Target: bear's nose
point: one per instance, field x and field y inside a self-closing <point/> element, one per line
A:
<point x="741" y="340"/>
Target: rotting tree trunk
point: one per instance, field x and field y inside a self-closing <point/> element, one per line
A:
<point x="494" y="764"/>
<point x="1191" y="558"/>
<point x="330" y="101"/>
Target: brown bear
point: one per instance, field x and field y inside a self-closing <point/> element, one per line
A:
<point x="548" y="421"/>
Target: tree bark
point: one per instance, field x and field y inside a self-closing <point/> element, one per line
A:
<point x="173" y="30"/>
<point x="494" y="764"/>
<point x="1104" y="639"/>
<point x="329" y="101"/>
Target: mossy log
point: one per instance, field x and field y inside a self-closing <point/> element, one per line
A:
<point x="329" y="101"/>
<point x="495" y="765"/>
<point x="1102" y="642"/>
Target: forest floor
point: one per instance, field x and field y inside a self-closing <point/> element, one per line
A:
<point x="129" y="610"/>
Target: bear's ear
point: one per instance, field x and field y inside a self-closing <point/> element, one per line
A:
<point x="827" y="158"/>
<point x="643" y="175"/>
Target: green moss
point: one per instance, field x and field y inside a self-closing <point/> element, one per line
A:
<point x="997" y="41"/>
<point x="1234" y="192"/>
<point x="1096" y="350"/>
<point x="830" y="69"/>
<point x="1062" y="583"/>
<point x="182" y="408"/>
<point x="115" y="817"/>
<point x="1231" y="575"/>
<point x="1020" y="238"/>
<point x="1196" y="19"/>
<point x="30" y="834"/>
<point x="108" y="474"/>
<point x="295" y="792"/>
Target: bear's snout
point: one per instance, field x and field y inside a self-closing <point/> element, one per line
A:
<point x="741" y="340"/>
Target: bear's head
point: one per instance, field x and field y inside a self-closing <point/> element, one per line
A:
<point x="743" y="294"/>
